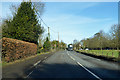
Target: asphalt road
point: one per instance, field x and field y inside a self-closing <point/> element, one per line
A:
<point x="69" y="64"/>
<point x="22" y="68"/>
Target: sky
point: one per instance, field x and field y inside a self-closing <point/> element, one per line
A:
<point x="74" y="20"/>
<point x="78" y="20"/>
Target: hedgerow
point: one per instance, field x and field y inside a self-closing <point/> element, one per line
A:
<point x="13" y="49"/>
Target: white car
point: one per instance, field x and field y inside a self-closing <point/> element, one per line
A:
<point x="86" y="49"/>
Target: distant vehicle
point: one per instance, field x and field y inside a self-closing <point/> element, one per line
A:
<point x="70" y="47"/>
<point x="80" y="49"/>
<point x="86" y="49"/>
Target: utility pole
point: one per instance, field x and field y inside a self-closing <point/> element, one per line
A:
<point x="49" y="33"/>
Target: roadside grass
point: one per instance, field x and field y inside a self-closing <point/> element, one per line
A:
<point x="106" y="53"/>
<point x="0" y="63"/>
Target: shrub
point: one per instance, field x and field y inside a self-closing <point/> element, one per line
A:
<point x="13" y="49"/>
<point x="47" y="45"/>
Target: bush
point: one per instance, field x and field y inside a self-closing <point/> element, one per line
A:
<point x="13" y="49"/>
<point x="47" y="45"/>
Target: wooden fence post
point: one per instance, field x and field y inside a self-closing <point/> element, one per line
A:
<point x="107" y="54"/>
<point x="118" y="55"/>
<point x="112" y="54"/>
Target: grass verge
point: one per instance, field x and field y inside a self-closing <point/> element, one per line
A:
<point x="105" y="53"/>
<point x="110" y="55"/>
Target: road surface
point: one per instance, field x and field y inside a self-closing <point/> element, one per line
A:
<point x="70" y="64"/>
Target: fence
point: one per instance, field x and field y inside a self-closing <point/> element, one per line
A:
<point x="106" y="53"/>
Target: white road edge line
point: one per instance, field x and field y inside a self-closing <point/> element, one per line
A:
<point x="89" y="71"/>
<point x="98" y="59"/>
<point x="37" y="63"/>
<point x="29" y="74"/>
<point x="32" y="71"/>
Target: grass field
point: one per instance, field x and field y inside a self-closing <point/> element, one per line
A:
<point x="107" y="53"/>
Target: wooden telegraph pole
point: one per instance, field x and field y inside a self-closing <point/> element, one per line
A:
<point x="49" y="33"/>
<point x="58" y="40"/>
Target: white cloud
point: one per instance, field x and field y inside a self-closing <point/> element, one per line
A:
<point x="68" y="25"/>
<point x="72" y="20"/>
<point x="78" y="6"/>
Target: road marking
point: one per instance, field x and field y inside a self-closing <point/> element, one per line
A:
<point x="98" y="59"/>
<point x="89" y="71"/>
<point x="34" y="66"/>
<point x="29" y="74"/>
<point x="72" y="58"/>
<point x="37" y="63"/>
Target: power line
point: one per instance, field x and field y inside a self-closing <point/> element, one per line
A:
<point x="53" y="30"/>
<point x="48" y="27"/>
<point x="42" y="20"/>
<point x="45" y="23"/>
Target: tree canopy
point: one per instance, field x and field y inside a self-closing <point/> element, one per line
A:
<point x="102" y="40"/>
<point x="24" y="25"/>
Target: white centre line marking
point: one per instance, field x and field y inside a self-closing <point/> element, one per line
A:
<point x="72" y="58"/>
<point x="89" y="71"/>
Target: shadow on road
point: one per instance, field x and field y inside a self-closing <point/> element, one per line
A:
<point x="70" y="71"/>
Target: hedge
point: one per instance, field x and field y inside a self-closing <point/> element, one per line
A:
<point x="13" y="49"/>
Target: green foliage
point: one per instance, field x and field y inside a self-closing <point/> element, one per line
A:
<point x="58" y="45"/>
<point x="103" y="40"/>
<point x="62" y="45"/>
<point x="54" y="44"/>
<point x="47" y="45"/>
<point x="108" y="53"/>
<point x="24" y="25"/>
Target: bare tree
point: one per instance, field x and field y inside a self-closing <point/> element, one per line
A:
<point x="39" y="7"/>
<point x="14" y="9"/>
<point x="115" y="35"/>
